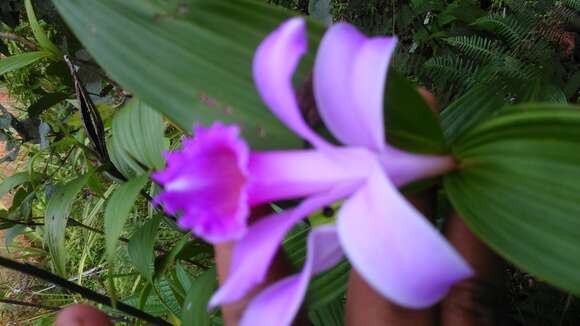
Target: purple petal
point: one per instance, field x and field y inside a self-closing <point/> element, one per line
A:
<point x="284" y="175"/>
<point x="349" y="81"/>
<point x="253" y="254"/>
<point x="397" y="251"/>
<point x="279" y="303"/>
<point x="274" y="63"/>
<point x="206" y="183"/>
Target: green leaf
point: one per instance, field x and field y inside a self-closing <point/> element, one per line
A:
<point x="325" y="287"/>
<point x="331" y="314"/>
<point x="328" y="286"/>
<point x="194" y="311"/>
<point x="169" y="258"/>
<point x="410" y="123"/>
<point x="192" y="61"/>
<point x="183" y="276"/>
<point x="11" y="233"/>
<point x="55" y="220"/>
<point x="141" y="248"/>
<point x="517" y="188"/>
<point x="39" y="33"/>
<point x="18" y="61"/>
<point x="137" y="141"/>
<point x="165" y="293"/>
<point x="14" y="181"/>
<point x="118" y="209"/>
<point x="476" y="105"/>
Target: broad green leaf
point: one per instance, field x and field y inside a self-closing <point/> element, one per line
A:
<point x="141" y="248"/>
<point x="55" y="220"/>
<point x="194" y="310"/>
<point x="39" y="33"/>
<point x="518" y="189"/>
<point x="192" y="61"/>
<point x="18" y="61"/>
<point x="137" y="141"/>
<point x="118" y="209"/>
<point x="410" y="123"/>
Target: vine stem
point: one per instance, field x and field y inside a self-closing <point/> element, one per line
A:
<point x="83" y="291"/>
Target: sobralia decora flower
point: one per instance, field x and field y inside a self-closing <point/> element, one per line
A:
<point x="215" y="179"/>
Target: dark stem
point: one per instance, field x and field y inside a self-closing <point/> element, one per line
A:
<point x="83" y="291"/>
<point x="13" y="37"/>
<point x="29" y="304"/>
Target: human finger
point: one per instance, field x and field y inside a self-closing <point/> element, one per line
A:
<point x="82" y="315"/>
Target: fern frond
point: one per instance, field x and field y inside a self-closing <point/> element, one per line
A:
<point x="451" y="68"/>
<point x="512" y="30"/>
<point x="476" y="47"/>
<point x="574" y="4"/>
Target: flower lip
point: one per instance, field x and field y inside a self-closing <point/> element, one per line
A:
<point x="206" y="183"/>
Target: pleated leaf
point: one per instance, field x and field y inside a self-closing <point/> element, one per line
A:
<point x="137" y="140"/>
<point x="518" y="189"/>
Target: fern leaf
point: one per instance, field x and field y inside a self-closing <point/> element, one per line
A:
<point x="476" y="47"/>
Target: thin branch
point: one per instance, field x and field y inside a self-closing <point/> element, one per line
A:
<point x="13" y="37"/>
<point x="29" y="304"/>
<point x="83" y="291"/>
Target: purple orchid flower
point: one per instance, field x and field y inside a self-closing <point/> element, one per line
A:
<point x="215" y="179"/>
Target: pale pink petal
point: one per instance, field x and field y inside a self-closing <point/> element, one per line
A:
<point x="279" y="303"/>
<point x="395" y="249"/>
<point x="205" y="182"/>
<point x="253" y="254"/>
<point x="274" y="63"/>
<point x="281" y="175"/>
<point x="405" y="167"/>
<point x="349" y="81"/>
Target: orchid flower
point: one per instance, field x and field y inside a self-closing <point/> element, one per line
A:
<point x="215" y="179"/>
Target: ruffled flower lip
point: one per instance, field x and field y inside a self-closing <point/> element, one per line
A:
<point x="205" y="183"/>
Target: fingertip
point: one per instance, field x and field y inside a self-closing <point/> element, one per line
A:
<point x="82" y="314"/>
